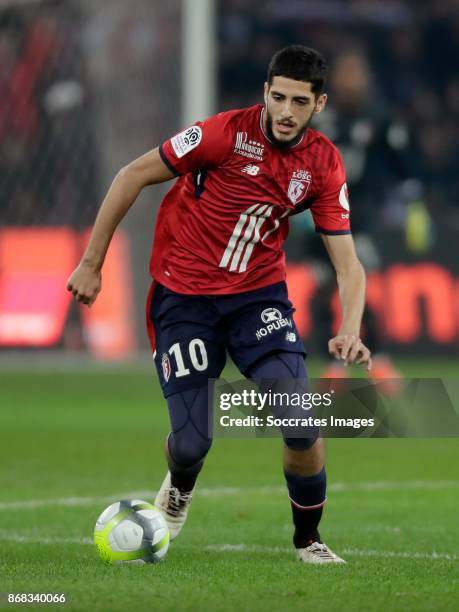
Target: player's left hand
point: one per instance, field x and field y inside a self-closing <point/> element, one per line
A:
<point x="351" y="349"/>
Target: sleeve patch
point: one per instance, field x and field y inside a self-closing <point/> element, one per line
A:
<point x="186" y="141"/>
<point x="344" y="197"/>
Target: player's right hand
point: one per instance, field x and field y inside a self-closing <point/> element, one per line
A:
<point x="350" y="349"/>
<point x="85" y="284"/>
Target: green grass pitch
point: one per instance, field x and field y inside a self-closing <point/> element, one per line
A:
<point x="73" y="442"/>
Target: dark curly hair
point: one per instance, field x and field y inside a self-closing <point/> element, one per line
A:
<point x="300" y="64"/>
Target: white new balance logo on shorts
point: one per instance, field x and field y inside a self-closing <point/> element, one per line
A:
<point x="251" y="169"/>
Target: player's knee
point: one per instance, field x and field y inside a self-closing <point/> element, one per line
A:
<point x="280" y="365"/>
<point x="188" y="448"/>
<point x="299" y="444"/>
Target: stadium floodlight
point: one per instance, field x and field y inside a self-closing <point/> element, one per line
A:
<point x="198" y="59"/>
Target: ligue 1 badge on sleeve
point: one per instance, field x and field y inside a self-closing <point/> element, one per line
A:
<point x="299" y="186"/>
<point x="187" y="140"/>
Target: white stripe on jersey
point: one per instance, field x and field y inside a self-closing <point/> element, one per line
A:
<point x="236" y="235"/>
<point x="255" y="239"/>
<point x="247" y="235"/>
<point x="276" y="225"/>
<point x="257" y="215"/>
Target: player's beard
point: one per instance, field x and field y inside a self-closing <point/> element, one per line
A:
<point x="284" y="144"/>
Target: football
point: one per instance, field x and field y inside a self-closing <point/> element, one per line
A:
<point x="131" y="531"/>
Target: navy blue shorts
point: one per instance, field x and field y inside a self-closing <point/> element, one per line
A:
<point x="193" y="332"/>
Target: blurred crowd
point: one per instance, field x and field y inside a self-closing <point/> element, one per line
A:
<point x="393" y="90"/>
<point x="83" y="88"/>
<point x="48" y="161"/>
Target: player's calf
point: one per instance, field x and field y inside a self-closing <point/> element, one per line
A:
<point x="307" y="499"/>
<point x="176" y="492"/>
<point x="186" y="447"/>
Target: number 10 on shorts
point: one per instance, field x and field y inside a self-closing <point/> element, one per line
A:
<point x="197" y="359"/>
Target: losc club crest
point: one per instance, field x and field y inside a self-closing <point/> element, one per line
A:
<point x="166" y="365"/>
<point x="299" y="186"/>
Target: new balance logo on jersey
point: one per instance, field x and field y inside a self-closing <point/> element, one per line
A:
<point x="299" y="186"/>
<point x="251" y="169"/>
<point x="248" y="148"/>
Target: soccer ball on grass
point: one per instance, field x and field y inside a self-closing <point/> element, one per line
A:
<point x="131" y="531"/>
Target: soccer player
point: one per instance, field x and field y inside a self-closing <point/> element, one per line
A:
<point x="219" y="270"/>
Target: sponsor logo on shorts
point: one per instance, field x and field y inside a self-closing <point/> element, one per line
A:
<point x="290" y="336"/>
<point x="271" y="314"/>
<point x="166" y="365"/>
<point x="273" y="320"/>
<point x="187" y="140"/>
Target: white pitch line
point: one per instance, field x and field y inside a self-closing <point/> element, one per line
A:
<point x="347" y="551"/>
<point x="399" y="554"/>
<point x="7" y="536"/>
<point x="32" y="504"/>
<point x="236" y="548"/>
<point x="372" y="529"/>
<point x="337" y="487"/>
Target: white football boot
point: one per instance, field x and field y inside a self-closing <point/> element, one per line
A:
<point x="173" y="505"/>
<point x="318" y="552"/>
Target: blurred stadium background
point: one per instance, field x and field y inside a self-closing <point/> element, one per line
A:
<point x="87" y="86"/>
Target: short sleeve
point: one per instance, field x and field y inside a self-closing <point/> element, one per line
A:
<point x="205" y="144"/>
<point x="331" y="210"/>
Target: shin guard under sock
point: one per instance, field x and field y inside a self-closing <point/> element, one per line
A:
<point x="307" y="497"/>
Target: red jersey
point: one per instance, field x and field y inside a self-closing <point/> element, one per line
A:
<point x="221" y="227"/>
